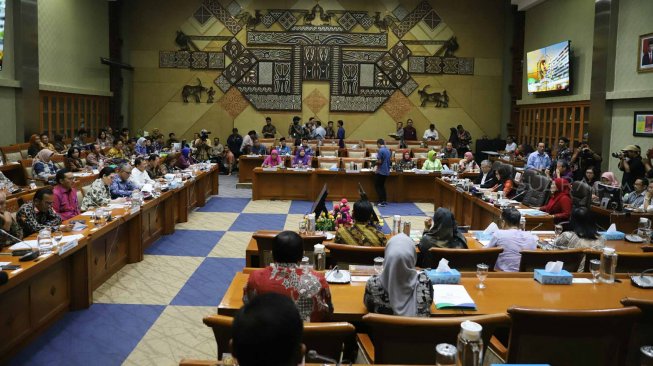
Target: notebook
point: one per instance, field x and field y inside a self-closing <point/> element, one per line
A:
<point x="452" y="297"/>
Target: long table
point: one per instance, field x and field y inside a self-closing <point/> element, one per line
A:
<point x="503" y="291"/>
<point x="288" y="184"/>
<point x="477" y="214"/>
<point x="43" y="290"/>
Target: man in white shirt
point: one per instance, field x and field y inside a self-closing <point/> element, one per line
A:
<point x="512" y="240"/>
<point x="431" y="134"/>
<point x="511" y="146"/>
<point x="319" y="132"/>
<point x="139" y="175"/>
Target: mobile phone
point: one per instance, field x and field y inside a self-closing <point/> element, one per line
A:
<point x="10" y="267"/>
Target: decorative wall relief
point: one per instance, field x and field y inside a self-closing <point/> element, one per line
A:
<point x="441" y="100"/>
<point x="193" y="91"/>
<point x="318" y="45"/>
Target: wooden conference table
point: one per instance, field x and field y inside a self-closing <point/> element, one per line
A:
<point x="287" y="184"/>
<point x="43" y="290"/>
<point x="477" y="214"/>
<point x="503" y="291"/>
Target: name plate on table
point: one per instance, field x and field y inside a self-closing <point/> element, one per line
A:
<point x="67" y="246"/>
<point x="421" y="171"/>
<point x="349" y="171"/>
<point x="273" y="169"/>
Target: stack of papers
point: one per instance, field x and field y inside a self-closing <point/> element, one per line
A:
<point x="452" y="297"/>
<point x="531" y="212"/>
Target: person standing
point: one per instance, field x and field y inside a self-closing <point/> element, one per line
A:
<point x="410" y="133"/>
<point x="464" y="140"/>
<point x="330" y="132"/>
<point x="269" y="131"/>
<point x="341" y="134"/>
<point x="399" y="134"/>
<point x="295" y="130"/>
<point x="383" y="165"/>
<point x="320" y="132"/>
<point x="234" y="141"/>
<point x="630" y="162"/>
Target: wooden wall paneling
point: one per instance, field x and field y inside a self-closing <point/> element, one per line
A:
<point x="58" y="109"/>
<point x="49" y="125"/>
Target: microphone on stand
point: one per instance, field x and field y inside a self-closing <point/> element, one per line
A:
<point x="312" y="354"/>
<point x="12" y="237"/>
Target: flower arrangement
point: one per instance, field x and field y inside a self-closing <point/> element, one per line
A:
<point x="325" y="222"/>
<point x="340" y="216"/>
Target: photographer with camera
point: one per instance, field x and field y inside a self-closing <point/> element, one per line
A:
<point x="202" y="147"/>
<point x="585" y="158"/>
<point x="630" y="162"/>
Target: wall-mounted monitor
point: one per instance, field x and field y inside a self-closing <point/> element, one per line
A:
<point x="549" y="68"/>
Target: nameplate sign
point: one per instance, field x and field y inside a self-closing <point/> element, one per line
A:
<point x="67" y="246"/>
<point x="421" y="171"/>
<point x="270" y="169"/>
<point x="348" y="171"/>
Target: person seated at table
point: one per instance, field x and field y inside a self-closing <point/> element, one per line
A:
<point x="268" y="331"/>
<point x="439" y="232"/>
<point x="583" y="234"/>
<point x="512" y="240"/>
<point x="647" y="206"/>
<point x="184" y="159"/>
<point x="78" y="140"/>
<point x="258" y="148"/>
<point x="139" y="176"/>
<point x="43" y="168"/>
<point x="94" y="156"/>
<point x="228" y="161"/>
<point x="511" y="146"/>
<point x="73" y="162"/>
<point x="301" y="159"/>
<point x="38" y="214"/>
<point x="432" y="162"/>
<point x="99" y="195"/>
<point x="121" y="186"/>
<point x="8" y="223"/>
<point x="155" y="168"/>
<point x="635" y="198"/>
<point x="34" y="145"/>
<point x="405" y="163"/>
<point x="102" y="139"/>
<point x="216" y="152"/>
<point x="129" y="148"/>
<point x="307" y="288"/>
<point x="468" y="164"/>
<point x="487" y="177"/>
<point x="560" y="203"/>
<point x="449" y="152"/>
<point x="141" y="148"/>
<point x="400" y="289"/>
<point x="273" y="160"/>
<point x="65" y="195"/>
<point x="504" y="182"/>
<point x="117" y="151"/>
<point x="562" y="171"/>
<point x="283" y="149"/>
<point x="590" y="176"/>
<point x="45" y="142"/>
<point x="523" y="151"/>
<point x="430" y="134"/>
<point x="607" y="178"/>
<point x="307" y="147"/>
<point x="172" y="139"/>
<point x="59" y="145"/>
<point x="363" y="232"/>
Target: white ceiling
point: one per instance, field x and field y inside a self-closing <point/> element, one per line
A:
<point x="523" y="5"/>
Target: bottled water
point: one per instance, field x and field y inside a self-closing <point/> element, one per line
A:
<point x="45" y="242"/>
<point x="137" y="198"/>
<point x="320" y="257"/>
<point x="608" y="265"/>
<point x="470" y="344"/>
<point x="522" y="223"/>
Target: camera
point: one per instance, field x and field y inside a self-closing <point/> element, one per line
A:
<point x="204" y="135"/>
<point x="618" y="155"/>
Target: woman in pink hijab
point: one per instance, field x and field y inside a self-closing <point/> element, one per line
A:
<point x="468" y="164"/>
<point x="273" y="160"/>
<point x="608" y="179"/>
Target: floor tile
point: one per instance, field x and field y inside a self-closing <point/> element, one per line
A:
<point x="156" y="280"/>
<point x="217" y="221"/>
<point x="301" y="207"/>
<point x="292" y="222"/>
<point x="104" y="334"/>
<point x="403" y="209"/>
<point x="253" y="222"/>
<point x="266" y="206"/>
<point x="190" y="243"/>
<point x="426" y="207"/>
<point x="178" y="333"/>
<point x="232" y="245"/>
<point x="225" y="204"/>
<point x="207" y="285"/>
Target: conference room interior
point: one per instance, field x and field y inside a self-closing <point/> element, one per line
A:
<point x="151" y="153"/>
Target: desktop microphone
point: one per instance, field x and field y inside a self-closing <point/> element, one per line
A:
<point x="520" y="194"/>
<point x="312" y="354"/>
<point x="11" y="236"/>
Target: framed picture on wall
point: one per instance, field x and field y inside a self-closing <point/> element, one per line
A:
<point x="645" y="53"/>
<point x="643" y="124"/>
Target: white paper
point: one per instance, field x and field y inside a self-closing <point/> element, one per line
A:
<point x="554" y="267"/>
<point x="612" y="228"/>
<point x="445" y="296"/>
<point x="4" y="263"/>
<point x="147" y="188"/>
<point x="581" y="280"/>
<point x="484" y="242"/>
<point x="490" y="229"/>
<point x="25" y="244"/>
<point x="88" y="213"/>
<point x="329" y="236"/>
<point x="360" y="278"/>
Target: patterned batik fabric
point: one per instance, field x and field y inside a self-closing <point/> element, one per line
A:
<point x="377" y="299"/>
<point x="360" y="234"/>
<point x="308" y="289"/>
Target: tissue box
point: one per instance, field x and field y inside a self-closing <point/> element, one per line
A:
<point x="615" y="235"/>
<point x="548" y="278"/>
<point x="444" y="278"/>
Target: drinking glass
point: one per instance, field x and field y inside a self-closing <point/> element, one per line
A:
<point x="57" y="236"/>
<point x="378" y="265"/>
<point x="481" y="274"/>
<point x="595" y="268"/>
<point x="558" y="230"/>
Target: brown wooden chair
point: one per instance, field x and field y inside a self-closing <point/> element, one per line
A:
<point x="411" y="340"/>
<point x="353" y="144"/>
<point x="23" y="147"/>
<point x="570" y="337"/>
<point x="466" y="259"/>
<point x="537" y="259"/>
<point x="643" y="334"/>
<point x="327" y="163"/>
<point x="419" y="152"/>
<point x="11" y="154"/>
<point x="328" y="339"/>
<point x="344" y="254"/>
<point x="265" y="238"/>
<point x="29" y="173"/>
<point x="357" y="153"/>
<point x="413" y="144"/>
<point x="626" y="262"/>
<point x="360" y="163"/>
<point x="13" y="204"/>
<point x="329" y="151"/>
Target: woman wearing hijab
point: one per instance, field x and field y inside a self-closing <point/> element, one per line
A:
<point x="34" y="145"/>
<point x="73" y="163"/>
<point x="468" y="164"/>
<point x="608" y="179"/>
<point x="432" y="163"/>
<point x="184" y="160"/>
<point x="505" y="184"/>
<point x="141" y="146"/>
<point x="406" y="163"/>
<point x="43" y="167"/>
<point x="400" y="289"/>
<point x="301" y="159"/>
<point x="560" y="203"/>
<point x="273" y="160"/>
<point x="440" y="232"/>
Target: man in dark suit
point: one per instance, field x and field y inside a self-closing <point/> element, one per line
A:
<point x="648" y="55"/>
<point x="487" y="177"/>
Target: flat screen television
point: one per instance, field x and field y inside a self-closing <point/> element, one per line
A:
<point x="549" y="69"/>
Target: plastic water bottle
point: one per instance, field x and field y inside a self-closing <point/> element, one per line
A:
<point x="311" y="224"/>
<point x="44" y="241"/>
<point x="319" y="257"/>
<point x="470" y="344"/>
<point x="522" y="223"/>
<point x="137" y="198"/>
<point x="608" y="265"/>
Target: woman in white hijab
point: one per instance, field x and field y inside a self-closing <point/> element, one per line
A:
<point x="400" y="289"/>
